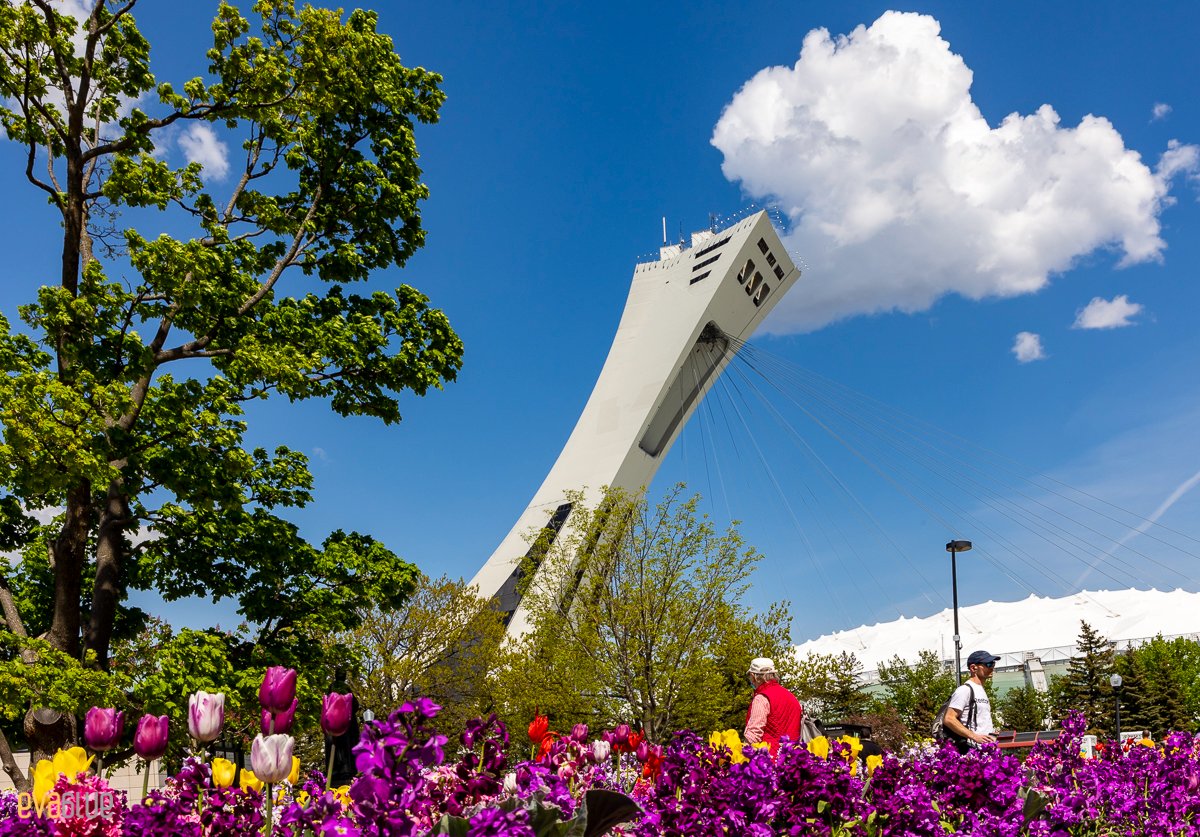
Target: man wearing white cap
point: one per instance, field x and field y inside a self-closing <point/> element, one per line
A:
<point x="774" y="711"/>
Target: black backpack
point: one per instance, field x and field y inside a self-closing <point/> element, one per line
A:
<point x="940" y="733"/>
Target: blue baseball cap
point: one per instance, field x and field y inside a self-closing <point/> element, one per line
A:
<point x="982" y="658"/>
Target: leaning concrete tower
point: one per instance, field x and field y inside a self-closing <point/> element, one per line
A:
<point x="683" y="318"/>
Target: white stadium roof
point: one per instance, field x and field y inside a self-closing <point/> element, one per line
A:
<point x="1049" y="627"/>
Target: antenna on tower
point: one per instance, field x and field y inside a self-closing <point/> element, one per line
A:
<point x="664" y="231"/>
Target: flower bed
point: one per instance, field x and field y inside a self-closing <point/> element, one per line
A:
<point x="413" y="781"/>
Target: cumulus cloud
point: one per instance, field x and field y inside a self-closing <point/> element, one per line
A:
<point x="1160" y="111"/>
<point x="199" y="144"/>
<point x="1103" y="313"/>
<point x="1028" y="347"/>
<point x="899" y="191"/>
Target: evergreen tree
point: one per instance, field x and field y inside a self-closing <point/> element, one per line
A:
<point x="1163" y="674"/>
<point x="1086" y="685"/>
<point x="1022" y="709"/>
<point x="829" y="686"/>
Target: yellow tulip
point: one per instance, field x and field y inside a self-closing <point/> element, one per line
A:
<point x="250" y="781"/>
<point x="223" y="771"/>
<point x="716" y="740"/>
<point x="855" y="747"/>
<point x="872" y="763"/>
<point x="819" y="747"/>
<point x="758" y="745"/>
<point x="294" y="774"/>
<point x="44" y="777"/>
<point x="72" y="762"/>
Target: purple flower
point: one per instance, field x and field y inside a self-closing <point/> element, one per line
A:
<point x="150" y="737"/>
<point x="103" y="728"/>
<point x="278" y="689"/>
<point x="283" y="720"/>
<point x="336" y="711"/>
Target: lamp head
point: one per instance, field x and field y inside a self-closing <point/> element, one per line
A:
<point x="1115" y="681"/>
<point x="958" y="546"/>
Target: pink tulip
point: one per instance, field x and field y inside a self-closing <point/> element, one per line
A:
<point x="601" y="750"/>
<point x="150" y="738"/>
<point x="278" y="689"/>
<point x="103" y="728"/>
<point x="271" y="757"/>
<point x="283" y="720"/>
<point x="335" y="713"/>
<point x="206" y="714"/>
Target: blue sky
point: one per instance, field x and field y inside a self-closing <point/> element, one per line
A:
<point x="570" y="132"/>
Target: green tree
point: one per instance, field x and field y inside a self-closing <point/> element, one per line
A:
<point x="123" y="400"/>
<point x="1160" y="679"/>
<point x="441" y="643"/>
<point x="1022" y="709"/>
<point x="637" y="615"/>
<point x="915" y="690"/>
<point x="1086" y="685"/>
<point x="829" y="686"/>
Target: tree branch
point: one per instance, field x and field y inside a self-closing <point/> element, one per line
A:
<point x="19" y="779"/>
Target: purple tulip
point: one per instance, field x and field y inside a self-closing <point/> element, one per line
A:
<point x="579" y="732"/>
<point x="150" y="737"/>
<point x="621" y="733"/>
<point x="103" y="728"/>
<point x="206" y="714"/>
<point x="283" y="720"/>
<point x="278" y="689"/>
<point x="335" y="713"/>
<point x="271" y="757"/>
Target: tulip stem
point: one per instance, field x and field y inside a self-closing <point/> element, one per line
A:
<point x="100" y="764"/>
<point x="146" y="783"/>
<point x="329" y="770"/>
<point x="267" y="822"/>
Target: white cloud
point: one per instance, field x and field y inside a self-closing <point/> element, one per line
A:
<point x="199" y="144"/>
<point x="900" y="192"/>
<point x="1160" y="111"/>
<point x="1103" y="313"/>
<point x="1028" y="347"/>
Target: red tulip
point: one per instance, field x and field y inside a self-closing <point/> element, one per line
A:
<point x="632" y="742"/>
<point x="150" y="737"/>
<point x="283" y="720"/>
<point x="336" y="712"/>
<point x="278" y="689"/>
<point x="103" y="728"/>
<point x="538" y="728"/>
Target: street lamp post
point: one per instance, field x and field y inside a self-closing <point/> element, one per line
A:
<point x="955" y="547"/>
<point x="1115" y="681"/>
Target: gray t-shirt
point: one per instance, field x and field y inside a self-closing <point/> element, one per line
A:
<point x="961" y="699"/>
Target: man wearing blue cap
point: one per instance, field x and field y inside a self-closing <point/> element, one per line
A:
<point x="969" y="717"/>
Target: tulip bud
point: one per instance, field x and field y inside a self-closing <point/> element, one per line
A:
<point x="579" y="732"/>
<point x="150" y="737"/>
<point x="566" y="770"/>
<point x="271" y="757"/>
<point x="250" y="782"/>
<point x="206" y="714"/>
<point x="510" y="783"/>
<point x="223" y="771"/>
<point x="103" y="728"/>
<point x="278" y="689"/>
<point x="601" y="750"/>
<point x="336" y="712"/>
<point x="621" y="733"/>
<point x="283" y="720"/>
<point x="642" y="752"/>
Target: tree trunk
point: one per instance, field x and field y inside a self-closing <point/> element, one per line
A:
<point x="48" y="731"/>
<point x="68" y="553"/>
<point x="110" y="549"/>
<point x="20" y="780"/>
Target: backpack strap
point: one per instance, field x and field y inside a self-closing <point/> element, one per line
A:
<point x="971" y="709"/>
